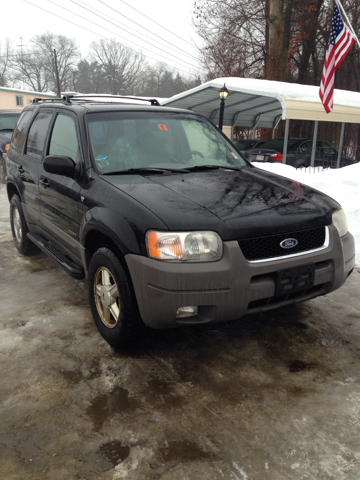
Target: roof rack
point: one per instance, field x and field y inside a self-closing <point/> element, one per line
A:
<point x="38" y="100"/>
<point x="90" y="98"/>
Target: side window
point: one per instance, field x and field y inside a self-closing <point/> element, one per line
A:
<point x="306" y="147"/>
<point x="37" y="135"/>
<point x="18" y="134"/>
<point x="63" y="138"/>
<point x="327" y="149"/>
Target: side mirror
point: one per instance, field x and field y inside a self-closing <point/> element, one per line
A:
<point x="61" y="165"/>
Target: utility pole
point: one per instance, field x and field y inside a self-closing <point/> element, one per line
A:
<point x="21" y="46"/>
<point x="58" y="88"/>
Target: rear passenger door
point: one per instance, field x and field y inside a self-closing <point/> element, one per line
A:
<point x="60" y="195"/>
<point x="29" y="165"/>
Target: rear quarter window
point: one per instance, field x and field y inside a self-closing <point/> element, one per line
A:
<point x="37" y="135"/>
<point x="19" y="131"/>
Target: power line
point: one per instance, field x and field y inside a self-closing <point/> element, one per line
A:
<point x="161" y="38"/>
<point x="98" y="34"/>
<point x="73" y="13"/>
<point x="85" y="8"/>
<point x="141" y="26"/>
<point x="143" y="14"/>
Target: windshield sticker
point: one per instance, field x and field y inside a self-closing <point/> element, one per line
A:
<point x="101" y="161"/>
<point x="162" y="126"/>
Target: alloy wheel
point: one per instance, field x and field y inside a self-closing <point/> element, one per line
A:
<point x="107" y="297"/>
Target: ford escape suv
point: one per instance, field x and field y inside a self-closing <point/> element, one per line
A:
<point x="164" y="217"/>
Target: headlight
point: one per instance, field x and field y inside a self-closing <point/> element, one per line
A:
<point x="340" y="222"/>
<point x="184" y="246"/>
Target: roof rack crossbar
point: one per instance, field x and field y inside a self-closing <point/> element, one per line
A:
<point x="89" y="98"/>
<point x="69" y="98"/>
<point x="38" y="100"/>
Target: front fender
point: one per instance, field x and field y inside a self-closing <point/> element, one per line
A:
<point x="126" y="233"/>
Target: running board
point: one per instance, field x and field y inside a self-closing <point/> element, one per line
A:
<point x="72" y="269"/>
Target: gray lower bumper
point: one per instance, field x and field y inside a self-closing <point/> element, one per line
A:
<point x="228" y="289"/>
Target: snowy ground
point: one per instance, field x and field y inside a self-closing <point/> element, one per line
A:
<point x="342" y="184"/>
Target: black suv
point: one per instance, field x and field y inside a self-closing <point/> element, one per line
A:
<point x="171" y="226"/>
<point x="8" y="119"/>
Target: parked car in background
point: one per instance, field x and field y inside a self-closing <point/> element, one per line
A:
<point x="8" y="121"/>
<point x="244" y="145"/>
<point x="298" y="153"/>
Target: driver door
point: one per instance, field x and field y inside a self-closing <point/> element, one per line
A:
<point x="60" y="195"/>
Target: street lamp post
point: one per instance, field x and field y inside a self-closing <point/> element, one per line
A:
<point x="224" y="92"/>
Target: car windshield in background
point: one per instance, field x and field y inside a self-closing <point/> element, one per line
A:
<point x="142" y="140"/>
<point x="247" y="144"/>
<point x="8" y="122"/>
<point x="277" y="144"/>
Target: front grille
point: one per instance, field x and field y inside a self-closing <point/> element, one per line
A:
<point x="261" y="248"/>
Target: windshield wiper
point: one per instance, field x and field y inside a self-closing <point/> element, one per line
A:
<point x="212" y="167"/>
<point x="140" y="170"/>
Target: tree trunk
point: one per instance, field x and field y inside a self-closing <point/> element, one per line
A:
<point x="276" y="55"/>
<point x="309" y="44"/>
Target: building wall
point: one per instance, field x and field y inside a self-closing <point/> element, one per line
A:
<point x="227" y="130"/>
<point x="11" y="99"/>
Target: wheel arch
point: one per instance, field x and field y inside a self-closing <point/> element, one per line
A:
<point x="95" y="239"/>
<point x="104" y="227"/>
<point x="12" y="190"/>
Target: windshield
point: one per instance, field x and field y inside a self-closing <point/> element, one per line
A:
<point x="125" y="140"/>
<point x="246" y="144"/>
<point x="8" y="122"/>
<point x="277" y="144"/>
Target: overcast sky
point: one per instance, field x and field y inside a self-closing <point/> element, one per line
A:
<point x="124" y="20"/>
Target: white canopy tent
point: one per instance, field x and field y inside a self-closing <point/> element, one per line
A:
<point x="263" y="103"/>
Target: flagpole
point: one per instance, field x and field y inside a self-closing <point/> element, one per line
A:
<point x="349" y="24"/>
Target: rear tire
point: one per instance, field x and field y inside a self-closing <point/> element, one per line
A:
<point x="112" y="301"/>
<point x="20" y="229"/>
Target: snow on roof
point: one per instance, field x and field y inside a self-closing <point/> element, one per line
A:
<point x="295" y="91"/>
<point x="255" y="102"/>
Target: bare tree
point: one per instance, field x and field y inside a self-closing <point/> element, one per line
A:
<point x="234" y="36"/>
<point x="274" y="39"/>
<point x="5" y="62"/>
<point x="121" y="66"/>
<point x="36" y="66"/>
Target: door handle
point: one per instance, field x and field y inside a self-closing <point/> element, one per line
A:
<point x="44" y="182"/>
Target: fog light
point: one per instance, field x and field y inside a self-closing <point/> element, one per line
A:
<point x="186" y="312"/>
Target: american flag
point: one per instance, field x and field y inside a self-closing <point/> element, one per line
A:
<point x="340" y="42"/>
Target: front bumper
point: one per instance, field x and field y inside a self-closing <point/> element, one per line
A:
<point x="228" y="289"/>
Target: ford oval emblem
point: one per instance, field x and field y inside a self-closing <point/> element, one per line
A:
<point x="289" y="243"/>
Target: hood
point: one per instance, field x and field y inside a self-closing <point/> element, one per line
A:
<point x="236" y="204"/>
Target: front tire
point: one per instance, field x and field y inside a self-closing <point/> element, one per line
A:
<point x="20" y="229"/>
<point x="112" y="300"/>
